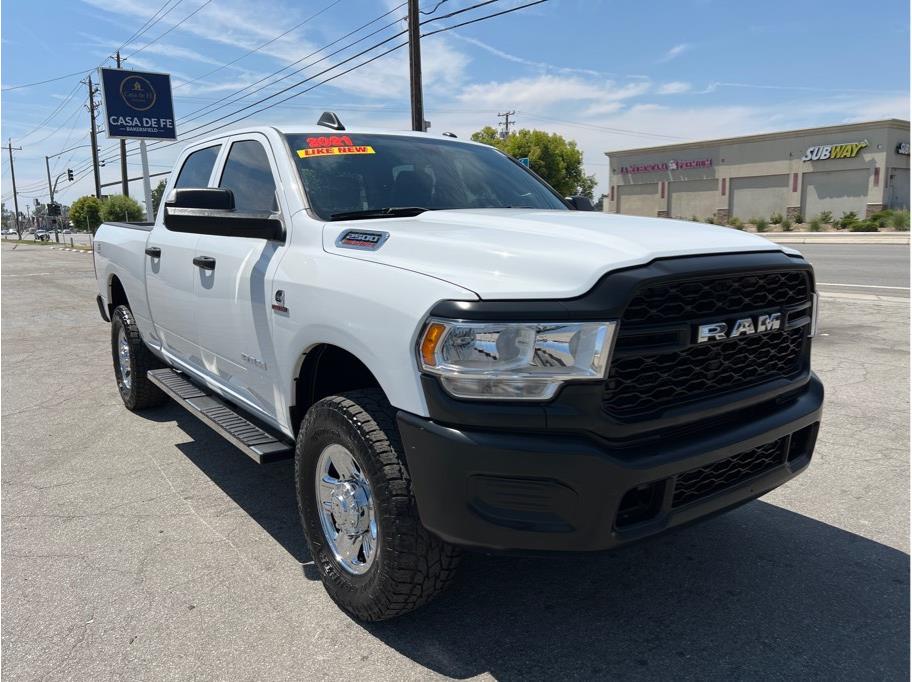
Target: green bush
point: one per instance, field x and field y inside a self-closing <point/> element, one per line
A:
<point x="848" y="219"/>
<point x="900" y="221"/>
<point x="85" y="213"/>
<point x="760" y="224"/>
<point x="863" y="226"/>
<point x="118" y="208"/>
<point x="736" y="223"/>
<point x="786" y="225"/>
<point x="825" y="217"/>
<point x="710" y="220"/>
<point x="694" y="219"/>
<point x="799" y="218"/>
<point x="883" y="213"/>
<point x="776" y="218"/>
<point x="815" y="225"/>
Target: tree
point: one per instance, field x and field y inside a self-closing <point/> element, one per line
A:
<point x="558" y="161"/>
<point x="157" y="195"/>
<point x="120" y="208"/>
<point x="85" y="213"/>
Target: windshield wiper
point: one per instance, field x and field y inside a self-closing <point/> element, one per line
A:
<point x="390" y="212"/>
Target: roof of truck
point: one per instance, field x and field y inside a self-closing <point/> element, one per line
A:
<point x="319" y="130"/>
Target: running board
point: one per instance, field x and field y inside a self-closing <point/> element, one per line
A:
<point x="223" y="418"/>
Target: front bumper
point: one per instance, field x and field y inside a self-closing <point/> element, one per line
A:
<point x="545" y="491"/>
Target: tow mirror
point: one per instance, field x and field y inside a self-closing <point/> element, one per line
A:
<point x="210" y="210"/>
<point x="201" y="197"/>
<point x="579" y="203"/>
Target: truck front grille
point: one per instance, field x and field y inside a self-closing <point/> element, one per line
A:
<point x="650" y="382"/>
<point x="699" y="483"/>
<point x="645" y="378"/>
<point x="683" y="300"/>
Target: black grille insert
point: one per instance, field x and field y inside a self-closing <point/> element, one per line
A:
<point x="682" y="300"/>
<point x="699" y="483"/>
<point x="651" y="382"/>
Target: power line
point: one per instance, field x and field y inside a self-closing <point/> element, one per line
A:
<point x="155" y="40"/>
<point x="191" y="117"/>
<point x="219" y="120"/>
<point x="618" y="131"/>
<point x="49" y="80"/>
<point x="260" y="47"/>
<point x="349" y="70"/>
<point x="150" y="22"/>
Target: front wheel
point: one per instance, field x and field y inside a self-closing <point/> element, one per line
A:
<point x="355" y="498"/>
<point x="131" y="362"/>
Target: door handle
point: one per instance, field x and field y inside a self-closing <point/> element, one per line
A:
<point x="153" y="251"/>
<point x="204" y="262"/>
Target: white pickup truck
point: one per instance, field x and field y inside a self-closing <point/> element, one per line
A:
<point x="454" y="355"/>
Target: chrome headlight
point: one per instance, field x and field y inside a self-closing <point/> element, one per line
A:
<point x="514" y="360"/>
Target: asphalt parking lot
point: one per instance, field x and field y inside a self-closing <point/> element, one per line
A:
<point x="145" y="547"/>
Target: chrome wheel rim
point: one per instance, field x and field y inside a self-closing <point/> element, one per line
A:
<point x="123" y="359"/>
<point x="346" y="508"/>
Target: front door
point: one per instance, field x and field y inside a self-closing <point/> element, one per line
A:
<point x="170" y="273"/>
<point x="234" y="316"/>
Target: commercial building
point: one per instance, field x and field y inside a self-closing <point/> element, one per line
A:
<point x="860" y="167"/>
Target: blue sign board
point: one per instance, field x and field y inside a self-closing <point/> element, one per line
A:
<point x="524" y="161"/>
<point x="137" y="105"/>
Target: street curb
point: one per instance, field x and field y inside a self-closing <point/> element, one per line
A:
<point x="901" y="238"/>
<point x="867" y="298"/>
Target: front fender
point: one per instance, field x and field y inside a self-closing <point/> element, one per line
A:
<point x="371" y="310"/>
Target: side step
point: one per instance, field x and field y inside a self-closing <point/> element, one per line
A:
<point x="224" y="418"/>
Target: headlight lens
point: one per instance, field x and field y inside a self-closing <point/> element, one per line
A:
<point x="514" y="361"/>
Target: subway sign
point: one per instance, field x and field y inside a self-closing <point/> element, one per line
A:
<point x="823" y="152"/>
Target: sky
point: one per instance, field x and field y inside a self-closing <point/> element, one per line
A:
<point x="608" y="74"/>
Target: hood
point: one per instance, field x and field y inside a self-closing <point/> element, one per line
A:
<point x="527" y="253"/>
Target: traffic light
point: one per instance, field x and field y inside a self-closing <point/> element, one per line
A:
<point x="53" y="209"/>
<point x="69" y="175"/>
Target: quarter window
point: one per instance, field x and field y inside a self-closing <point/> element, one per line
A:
<point x="248" y="175"/>
<point x="197" y="169"/>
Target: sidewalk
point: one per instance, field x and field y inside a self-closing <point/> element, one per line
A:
<point x="838" y="237"/>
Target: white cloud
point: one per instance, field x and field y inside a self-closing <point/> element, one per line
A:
<point x="675" y="52"/>
<point x="673" y="88"/>
<point x="547" y="90"/>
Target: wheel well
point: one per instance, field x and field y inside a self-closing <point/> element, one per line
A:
<point x="327" y="370"/>
<point x="118" y="295"/>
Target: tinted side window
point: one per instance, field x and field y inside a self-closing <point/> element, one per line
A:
<point x="248" y="175"/>
<point x="197" y="168"/>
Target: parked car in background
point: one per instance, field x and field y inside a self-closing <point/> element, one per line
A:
<point x="41" y="236"/>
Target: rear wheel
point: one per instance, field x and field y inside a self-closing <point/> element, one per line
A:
<point x="355" y="498"/>
<point x="131" y="362"/>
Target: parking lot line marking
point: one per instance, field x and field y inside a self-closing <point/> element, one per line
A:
<point x="861" y="286"/>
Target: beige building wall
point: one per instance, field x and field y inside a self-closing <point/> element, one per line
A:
<point x="758" y="175"/>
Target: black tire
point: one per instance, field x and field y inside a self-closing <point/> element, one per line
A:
<point x="138" y="393"/>
<point x="412" y="566"/>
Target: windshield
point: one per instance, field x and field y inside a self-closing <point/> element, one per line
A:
<point x="354" y="173"/>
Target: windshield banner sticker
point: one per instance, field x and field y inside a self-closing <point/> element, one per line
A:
<point x="331" y="145"/>
<point x="334" y="151"/>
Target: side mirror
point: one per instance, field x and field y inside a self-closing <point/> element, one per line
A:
<point x="210" y="210"/>
<point x="201" y="197"/>
<point x="579" y="203"/>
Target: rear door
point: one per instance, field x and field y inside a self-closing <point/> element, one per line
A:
<point x="170" y="273"/>
<point x="234" y="317"/>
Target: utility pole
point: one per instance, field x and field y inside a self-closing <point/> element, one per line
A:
<point x="13" y="176"/>
<point x="507" y="122"/>
<point x="414" y="33"/>
<point x="94" y="139"/>
<point x="124" y="183"/>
